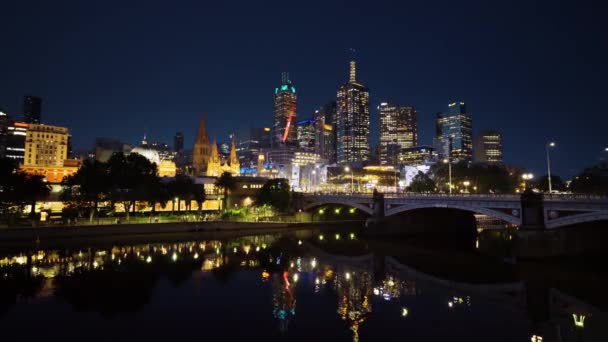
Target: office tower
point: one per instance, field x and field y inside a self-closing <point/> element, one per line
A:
<point x="46" y="145"/>
<point x="178" y="142"/>
<point x="285" y="114"/>
<point x="488" y="147"/>
<point x="416" y="155"/>
<point x="5" y="122"/>
<point x="32" y="109"/>
<point x="454" y="139"/>
<point x="398" y="130"/>
<point x="202" y="149"/>
<point x="307" y="135"/>
<point x="352" y="121"/>
<point x="15" y="140"/>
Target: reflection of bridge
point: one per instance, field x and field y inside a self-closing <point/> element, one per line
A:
<point x="557" y="210"/>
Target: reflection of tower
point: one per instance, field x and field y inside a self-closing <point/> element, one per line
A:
<point x="283" y="300"/>
<point x="354" y="290"/>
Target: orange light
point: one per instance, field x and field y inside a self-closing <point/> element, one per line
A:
<point x="265" y="275"/>
<point x="21" y="124"/>
<point x="266" y="129"/>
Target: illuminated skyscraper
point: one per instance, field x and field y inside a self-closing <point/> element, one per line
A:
<point x="306" y="135"/>
<point x="454" y="133"/>
<point x="488" y="147"/>
<point x="32" y="109"/>
<point x="352" y="121"/>
<point x="285" y="114"/>
<point x="398" y="130"/>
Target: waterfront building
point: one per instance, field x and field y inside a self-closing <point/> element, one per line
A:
<point x="454" y="133"/>
<point x="284" y="130"/>
<point x="398" y="130"/>
<point x="416" y="155"/>
<point x="488" y="147"/>
<point x="46" y="152"/>
<point x="32" y="109"/>
<point x="352" y="121"/>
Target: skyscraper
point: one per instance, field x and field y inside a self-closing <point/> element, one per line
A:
<point x="454" y="133"/>
<point x="325" y="134"/>
<point x="488" y="147"/>
<point x="398" y="130"/>
<point x="32" y="109"/>
<point x="307" y="135"/>
<point x="285" y="114"/>
<point x="352" y="121"/>
<point x="202" y="149"/>
<point x="178" y="142"/>
<point x="4" y="124"/>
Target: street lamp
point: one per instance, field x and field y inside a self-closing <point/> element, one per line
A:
<point x="447" y="161"/>
<point x="550" y="144"/>
<point x="352" y="183"/>
<point x="526" y="177"/>
<point x="466" y="184"/>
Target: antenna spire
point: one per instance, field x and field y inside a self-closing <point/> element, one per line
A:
<point x="353" y="66"/>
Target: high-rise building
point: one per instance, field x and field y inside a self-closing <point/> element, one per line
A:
<point x="454" y="133"/>
<point x="285" y="114"/>
<point x="202" y="149"/>
<point x="46" y="145"/>
<point x="325" y="134"/>
<point x="398" y="130"/>
<point x="416" y="155"/>
<point x="32" y="109"/>
<point x="488" y="147"/>
<point x="178" y="142"/>
<point x="250" y="142"/>
<point x="307" y="135"/>
<point x="352" y="121"/>
<point x="5" y="122"/>
<point x="15" y="141"/>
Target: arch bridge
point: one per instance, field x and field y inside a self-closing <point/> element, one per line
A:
<point x="548" y="211"/>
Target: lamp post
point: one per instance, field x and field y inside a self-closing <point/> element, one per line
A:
<point x="447" y="161"/>
<point x="314" y="179"/>
<point x="352" y="183"/>
<point x="549" y="145"/>
<point x="466" y="186"/>
<point x="526" y="177"/>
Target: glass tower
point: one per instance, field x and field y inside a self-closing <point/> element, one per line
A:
<point x="398" y="130"/>
<point x="352" y="121"/>
<point x="454" y="133"/>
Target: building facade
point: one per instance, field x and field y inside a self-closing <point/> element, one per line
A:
<point x="398" y="130"/>
<point x="488" y="147"/>
<point x="5" y="122"/>
<point x="32" y="109"/>
<point x="416" y="155"/>
<point x="284" y="130"/>
<point x="454" y="133"/>
<point x="352" y="121"/>
<point x="307" y="135"/>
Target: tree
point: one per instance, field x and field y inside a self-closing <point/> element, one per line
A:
<point x="557" y="183"/>
<point x="181" y="188"/>
<point x="483" y="178"/>
<point x="34" y="188"/>
<point x="422" y="183"/>
<point x="198" y="195"/>
<point x="228" y="184"/>
<point x="8" y="182"/>
<point x="593" y="180"/>
<point x="275" y="192"/>
<point x="129" y="179"/>
<point x="88" y="186"/>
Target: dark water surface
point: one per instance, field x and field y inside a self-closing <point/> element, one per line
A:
<point x="300" y="286"/>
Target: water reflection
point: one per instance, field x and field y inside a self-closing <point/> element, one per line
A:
<point x="364" y="288"/>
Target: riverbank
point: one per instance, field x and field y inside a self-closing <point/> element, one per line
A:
<point x="58" y="235"/>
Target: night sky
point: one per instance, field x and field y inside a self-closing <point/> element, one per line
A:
<point x="534" y="70"/>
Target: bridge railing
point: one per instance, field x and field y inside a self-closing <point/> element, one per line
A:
<point x="551" y="197"/>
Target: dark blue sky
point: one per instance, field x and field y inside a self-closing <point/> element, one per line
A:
<point x="534" y="70"/>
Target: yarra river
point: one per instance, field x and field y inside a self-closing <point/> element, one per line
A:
<point x="302" y="285"/>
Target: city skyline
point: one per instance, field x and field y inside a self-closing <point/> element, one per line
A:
<point x="519" y="94"/>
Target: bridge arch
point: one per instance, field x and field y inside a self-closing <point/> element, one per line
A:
<point x="362" y="207"/>
<point x="576" y="219"/>
<point x="476" y="210"/>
